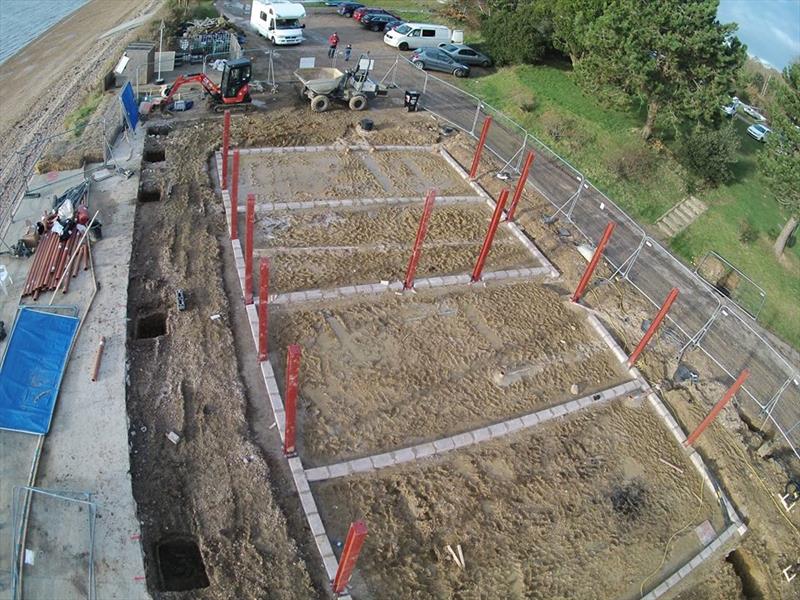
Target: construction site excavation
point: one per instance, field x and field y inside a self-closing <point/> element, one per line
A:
<point x="432" y="384"/>
<point x="310" y="320"/>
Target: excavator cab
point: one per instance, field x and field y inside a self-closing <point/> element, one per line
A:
<point x="236" y="74"/>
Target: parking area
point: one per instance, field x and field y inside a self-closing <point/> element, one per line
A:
<point x="321" y="23"/>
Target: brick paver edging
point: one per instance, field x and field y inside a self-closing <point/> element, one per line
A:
<point x="515" y="229"/>
<point x="735" y="523"/>
<point x="469" y="438"/>
<point x="315" y="524"/>
<point x="359" y="202"/>
<point x="334" y="148"/>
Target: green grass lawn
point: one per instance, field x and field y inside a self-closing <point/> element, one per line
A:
<point x="604" y="144"/>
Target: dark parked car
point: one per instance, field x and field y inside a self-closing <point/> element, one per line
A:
<point x="435" y="59"/>
<point x="359" y="13"/>
<point x="346" y="8"/>
<point x="466" y="55"/>
<point x="378" y="21"/>
<point x="392" y="24"/>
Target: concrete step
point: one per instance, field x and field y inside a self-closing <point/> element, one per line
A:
<point x="697" y="207"/>
<point x="680" y="216"/>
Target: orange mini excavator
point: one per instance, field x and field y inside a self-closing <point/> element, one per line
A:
<point x="233" y="92"/>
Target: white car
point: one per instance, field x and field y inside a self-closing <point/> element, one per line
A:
<point x="730" y="109"/>
<point x="759" y="132"/>
<point x="753" y="112"/>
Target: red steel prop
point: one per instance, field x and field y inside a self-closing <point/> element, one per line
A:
<point x="98" y="358"/>
<point x="263" y="295"/>
<point x="476" y="160"/>
<point x="248" y="249"/>
<point x="352" y="547"/>
<point x="523" y="177"/>
<point x="421" y="231"/>
<point x="673" y="295"/>
<point x="235" y="196"/>
<point x="598" y="254"/>
<point x="292" y="379"/>
<point x="226" y="139"/>
<point x="487" y="242"/>
<point x="718" y="408"/>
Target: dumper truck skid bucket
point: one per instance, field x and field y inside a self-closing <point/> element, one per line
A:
<point x="320" y="80"/>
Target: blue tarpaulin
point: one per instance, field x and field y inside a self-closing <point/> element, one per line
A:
<point x="32" y="369"/>
<point x="129" y="105"/>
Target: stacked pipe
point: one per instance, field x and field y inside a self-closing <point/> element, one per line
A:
<point x="50" y="262"/>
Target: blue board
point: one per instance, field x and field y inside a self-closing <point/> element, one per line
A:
<point x="129" y="105"/>
<point x="32" y="368"/>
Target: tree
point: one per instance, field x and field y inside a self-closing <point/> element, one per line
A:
<point x="517" y="32"/>
<point x="780" y="161"/>
<point x="673" y="56"/>
<point x="710" y="153"/>
<point x="571" y="22"/>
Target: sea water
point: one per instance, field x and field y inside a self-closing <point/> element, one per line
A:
<point x="22" y="21"/>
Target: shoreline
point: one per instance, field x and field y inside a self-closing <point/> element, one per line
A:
<point x="49" y="78"/>
<point x="42" y="33"/>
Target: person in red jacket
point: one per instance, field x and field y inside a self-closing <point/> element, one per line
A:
<point x="333" y="42"/>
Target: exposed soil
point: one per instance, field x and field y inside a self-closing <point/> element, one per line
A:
<point x="398" y="370"/>
<point x="213" y="487"/>
<point x="171" y="251"/>
<point x="324" y="248"/>
<point x="577" y="508"/>
<point x="298" y="177"/>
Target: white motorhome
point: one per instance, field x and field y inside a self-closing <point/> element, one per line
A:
<point x="278" y="21"/>
<point x="410" y="36"/>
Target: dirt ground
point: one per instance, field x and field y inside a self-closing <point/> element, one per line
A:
<point x="214" y="486"/>
<point x="297" y="177"/>
<point x="398" y="370"/>
<point x="731" y="445"/>
<point x="325" y="248"/>
<point x="578" y="508"/>
<point x="753" y="570"/>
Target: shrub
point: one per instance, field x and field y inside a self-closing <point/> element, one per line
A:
<point x="632" y="162"/>
<point x="710" y="153"/>
<point x="748" y="233"/>
<point x="557" y="126"/>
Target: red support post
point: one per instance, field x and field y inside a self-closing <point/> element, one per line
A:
<point x="263" y="296"/>
<point x="523" y="177"/>
<point x="226" y="140"/>
<point x="476" y="160"/>
<point x="248" y="249"/>
<point x="235" y="196"/>
<point x="487" y="242"/>
<point x="352" y="546"/>
<point x="292" y="378"/>
<point x="673" y="295"/>
<point x="718" y="407"/>
<point x="421" y="231"/>
<point x="598" y="254"/>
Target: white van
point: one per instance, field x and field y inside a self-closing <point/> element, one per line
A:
<point x="411" y="36"/>
<point x="278" y="21"/>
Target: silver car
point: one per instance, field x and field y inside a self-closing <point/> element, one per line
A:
<point x="466" y="55"/>
<point x="435" y="59"/>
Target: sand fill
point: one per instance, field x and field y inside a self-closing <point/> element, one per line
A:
<point x="580" y="508"/>
<point x="326" y="248"/>
<point x="395" y="371"/>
